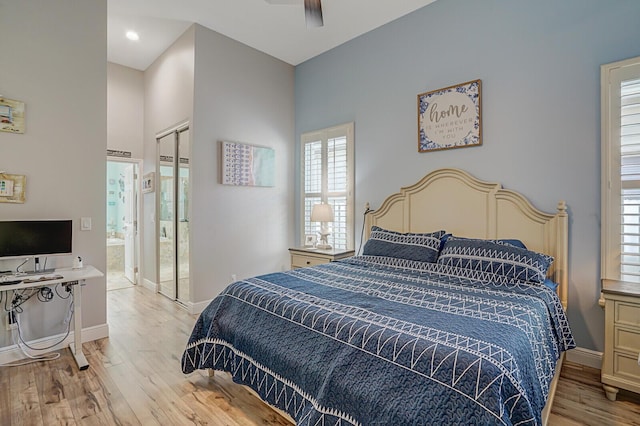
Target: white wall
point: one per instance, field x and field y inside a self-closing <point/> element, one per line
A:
<point x="246" y="96"/>
<point x="54" y="59"/>
<point x="125" y="109"/>
<point x="539" y="62"/>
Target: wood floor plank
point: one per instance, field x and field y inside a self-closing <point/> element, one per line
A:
<point x="135" y="379"/>
<point x="144" y="406"/>
<point x="114" y="405"/>
<point x="5" y="393"/>
<point x="580" y="400"/>
<point x="25" y="404"/>
<point x="174" y="407"/>
<point x="86" y="396"/>
<point x="53" y="402"/>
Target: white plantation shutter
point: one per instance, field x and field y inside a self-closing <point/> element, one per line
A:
<point x="312" y="167"/>
<point x="621" y="170"/>
<point x="327" y="177"/>
<point x="630" y="179"/>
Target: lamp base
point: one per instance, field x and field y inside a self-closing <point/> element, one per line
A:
<point x="323" y="244"/>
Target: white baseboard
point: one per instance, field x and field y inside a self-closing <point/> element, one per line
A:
<point x="150" y="285"/>
<point x="196" y="308"/>
<point x="13" y="353"/>
<point x="586" y="357"/>
<point x="192" y="308"/>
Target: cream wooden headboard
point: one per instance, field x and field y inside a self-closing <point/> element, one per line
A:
<point x="457" y="202"/>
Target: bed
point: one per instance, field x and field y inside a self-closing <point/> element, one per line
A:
<point x="454" y="313"/>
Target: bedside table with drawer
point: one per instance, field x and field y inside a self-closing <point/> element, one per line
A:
<point x="301" y="257"/>
<point x="621" y="358"/>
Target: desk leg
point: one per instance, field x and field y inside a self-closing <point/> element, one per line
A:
<point x="76" y="347"/>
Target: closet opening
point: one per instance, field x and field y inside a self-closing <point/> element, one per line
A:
<point x="172" y="211"/>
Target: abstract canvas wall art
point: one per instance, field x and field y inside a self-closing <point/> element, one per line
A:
<point x="247" y="165"/>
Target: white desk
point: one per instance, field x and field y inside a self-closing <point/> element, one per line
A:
<point x="73" y="279"/>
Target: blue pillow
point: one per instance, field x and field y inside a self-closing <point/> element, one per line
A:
<point x="513" y="242"/>
<point x="552" y="285"/>
<point x="411" y="246"/>
<point x="509" y="241"/>
<point x="484" y="256"/>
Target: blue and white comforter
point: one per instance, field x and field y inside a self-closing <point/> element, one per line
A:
<point x="366" y="342"/>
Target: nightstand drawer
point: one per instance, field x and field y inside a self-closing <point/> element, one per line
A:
<point x="620" y="369"/>
<point x="627" y="313"/>
<point x="304" y="261"/>
<point x="302" y="257"/>
<point x="626" y="366"/>
<point x="627" y="340"/>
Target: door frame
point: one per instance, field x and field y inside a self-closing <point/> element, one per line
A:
<point x="139" y="250"/>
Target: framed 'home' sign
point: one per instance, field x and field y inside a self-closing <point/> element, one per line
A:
<point x="450" y="117"/>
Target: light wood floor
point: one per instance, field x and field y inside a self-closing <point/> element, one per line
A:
<point x="134" y="378"/>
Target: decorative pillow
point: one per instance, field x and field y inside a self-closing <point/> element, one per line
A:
<point x="549" y="283"/>
<point x="512" y="242"/>
<point x="410" y="246"/>
<point x="508" y="241"/>
<point x="396" y="263"/>
<point x="486" y="256"/>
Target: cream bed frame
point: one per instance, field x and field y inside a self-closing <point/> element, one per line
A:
<point x="457" y="202"/>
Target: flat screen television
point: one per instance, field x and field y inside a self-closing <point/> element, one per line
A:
<point x="35" y="238"/>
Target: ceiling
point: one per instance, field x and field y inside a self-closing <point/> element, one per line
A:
<point x="276" y="27"/>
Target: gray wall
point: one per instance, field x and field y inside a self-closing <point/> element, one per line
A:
<point x="227" y="91"/>
<point x="125" y="109"/>
<point x="54" y="59"/>
<point x="168" y="101"/>
<point x="246" y="96"/>
<point x="539" y="65"/>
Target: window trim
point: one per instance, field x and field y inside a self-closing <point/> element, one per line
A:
<point x="345" y="129"/>
<point x="611" y="184"/>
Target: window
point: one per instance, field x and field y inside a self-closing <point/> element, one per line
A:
<point x="327" y="177"/>
<point x="620" y="85"/>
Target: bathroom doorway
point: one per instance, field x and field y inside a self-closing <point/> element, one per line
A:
<point x="122" y="223"/>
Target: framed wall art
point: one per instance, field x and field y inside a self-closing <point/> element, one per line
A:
<point x="11" y="115"/>
<point x="12" y="188"/>
<point x="247" y="165"/>
<point x="450" y="117"/>
<point x="148" y="182"/>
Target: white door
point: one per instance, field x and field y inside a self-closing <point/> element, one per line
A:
<point x="129" y="223"/>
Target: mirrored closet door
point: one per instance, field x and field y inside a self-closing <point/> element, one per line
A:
<point x="173" y="213"/>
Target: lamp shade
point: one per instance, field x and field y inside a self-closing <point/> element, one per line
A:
<point x="322" y="213"/>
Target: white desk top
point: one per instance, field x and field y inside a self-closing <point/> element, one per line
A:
<point x="68" y="274"/>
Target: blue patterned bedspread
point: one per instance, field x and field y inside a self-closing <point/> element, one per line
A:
<point x="368" y="343"/>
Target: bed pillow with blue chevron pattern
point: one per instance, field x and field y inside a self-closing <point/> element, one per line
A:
<point x="410" y="246"/>
<point x="487" y="257"/>
<point x="508" y="241"/>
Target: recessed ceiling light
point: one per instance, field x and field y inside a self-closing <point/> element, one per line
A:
<point x="133" y="36"/>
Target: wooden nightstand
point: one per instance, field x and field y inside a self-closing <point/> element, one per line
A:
<point x="620" y="369"/>
<point x="301" y="257"/>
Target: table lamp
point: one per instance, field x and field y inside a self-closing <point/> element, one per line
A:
<point x="322" y="213"/>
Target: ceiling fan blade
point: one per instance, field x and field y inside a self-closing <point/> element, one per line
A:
<point x="313" y="13"/>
